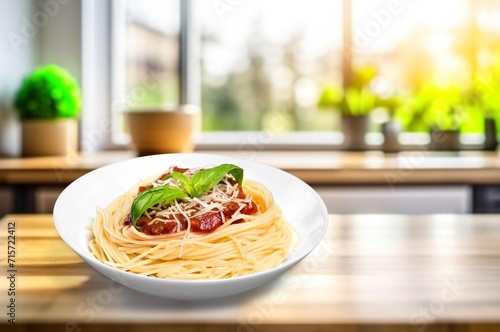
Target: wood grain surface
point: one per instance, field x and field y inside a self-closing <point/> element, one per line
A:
<point x="370" y="273"/>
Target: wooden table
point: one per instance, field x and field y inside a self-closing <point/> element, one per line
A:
<point x="370" y="273"/>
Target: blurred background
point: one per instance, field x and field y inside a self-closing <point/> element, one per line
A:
<point x="278" y="66"/>
<point x="388" y="109"/>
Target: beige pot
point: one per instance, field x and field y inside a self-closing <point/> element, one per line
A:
<point x="164" y="130"/>
<point x="58" y="137"/>
<point x="355" y="129"/>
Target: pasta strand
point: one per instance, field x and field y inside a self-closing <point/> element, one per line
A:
<point x="260" y="242"/>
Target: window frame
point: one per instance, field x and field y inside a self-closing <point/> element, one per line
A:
<point x="97" y="93"/>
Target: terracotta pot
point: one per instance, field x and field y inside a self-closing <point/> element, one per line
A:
<point x="58" y="137"/>
<point x="355" y="129"/>
<point x="445" y="140"/>
<point x="164" y="130"/>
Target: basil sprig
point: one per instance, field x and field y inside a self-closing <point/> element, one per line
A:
<point x="196" y="186"/>
<point x="151" y="197"/>
<point x="206" y="179"/>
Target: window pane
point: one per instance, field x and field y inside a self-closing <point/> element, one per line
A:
<point x="265" y="62"/>
<point x="149" y="46"/>
<point x="417" y="46"/>
<point x="153" y="51"/>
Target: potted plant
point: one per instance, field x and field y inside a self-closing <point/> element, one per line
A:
<point x="445" y="114"/>
<point x="355" y="102"/>
<point x="48" y="103"/>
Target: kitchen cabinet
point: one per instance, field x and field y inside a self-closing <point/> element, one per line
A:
<point x="402" y="199"/>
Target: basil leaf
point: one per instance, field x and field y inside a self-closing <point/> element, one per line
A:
<point x="183" y="180"/>
<point x="151" y="197"/>
<point x="206" y="179"/>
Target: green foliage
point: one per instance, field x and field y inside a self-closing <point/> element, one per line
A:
<point x="444" y="108"/>
<point x="448" y="108"/>
<point x="358" y="102"/>
<point x="413" y="116"/>
<point x="49" y="92"/>
<point x="482" y="101"/>
<point x="222" y="110"/>
<point x="355" y="100"/>
<point x="485" y="96"/>
<point x="393" y="104"/>
<point x="362" y="77"/>
<point x="331" y="97"/>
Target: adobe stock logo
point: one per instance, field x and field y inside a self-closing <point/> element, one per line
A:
<point x="222" y="7"/>
<point x="39" y="19"/>
<point x="381" y="19"/>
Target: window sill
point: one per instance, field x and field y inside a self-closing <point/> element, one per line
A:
<point x="263" y="140"/>
<point x="320" y="141"/>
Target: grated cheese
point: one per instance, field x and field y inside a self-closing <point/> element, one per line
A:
<point x="214" y="201"/>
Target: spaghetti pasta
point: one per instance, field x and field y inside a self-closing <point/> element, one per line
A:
<point x="243" y="244"/>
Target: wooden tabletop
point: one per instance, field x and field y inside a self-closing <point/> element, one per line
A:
<point x="370" y="273"/>
<point x="314" y="167"/>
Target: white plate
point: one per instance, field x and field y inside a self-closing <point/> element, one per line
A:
<point x="76" y="208"/>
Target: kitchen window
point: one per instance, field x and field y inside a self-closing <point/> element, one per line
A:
<point x="258" y="68"/>
<point x="254" y="75"/>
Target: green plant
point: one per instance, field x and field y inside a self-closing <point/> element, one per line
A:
<point x="448" y="108"/>
<point x="486" y="96"/>
<point x="49" y="92"/>
<point x="412" y="116"/>
<point x="355" y="100"/>
<point x="443" y="108"/>
<point x="392" y="104"/>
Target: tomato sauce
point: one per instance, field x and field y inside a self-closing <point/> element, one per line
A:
<point x="204" y="223"/>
